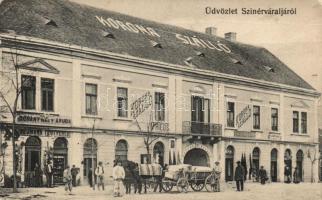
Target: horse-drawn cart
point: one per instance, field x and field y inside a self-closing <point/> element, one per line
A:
<point x="184" y="175"/>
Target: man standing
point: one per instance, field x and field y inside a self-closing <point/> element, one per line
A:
<point x="49" y="171"/>
<point x="287" y="174"/>
<point x="74" y="172"/>
<point x="239" y="176"/>
<point x="99" y="172"/>
<point x="262" y="175"/>
<point x="217" y="171"/>
<point x="118" y="176"/>
<point x="157" y="173"/>
<point x="68" y="179"/>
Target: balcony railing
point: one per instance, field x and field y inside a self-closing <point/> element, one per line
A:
<point x="201" y="128"/>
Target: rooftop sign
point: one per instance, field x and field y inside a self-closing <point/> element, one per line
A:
<point x="139" y="29"/>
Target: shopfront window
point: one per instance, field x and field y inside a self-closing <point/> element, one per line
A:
<point x="121" y="150"/>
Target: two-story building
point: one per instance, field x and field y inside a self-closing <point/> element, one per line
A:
<point x="102" y="86"/>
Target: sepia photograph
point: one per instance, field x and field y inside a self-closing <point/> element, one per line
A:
<point x="160" y="100"/>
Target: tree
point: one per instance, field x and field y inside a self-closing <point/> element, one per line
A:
<point x="139" y="106"/>
<point x="10" y="91"/>
<point x="313" y="158"/>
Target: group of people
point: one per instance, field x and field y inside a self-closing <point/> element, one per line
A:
<point x="240" y="176"/>
<point x="288" y="175"/>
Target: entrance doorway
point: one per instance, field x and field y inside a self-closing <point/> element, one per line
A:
<point x="197" y="157"/>
<point x="299" y="163"/>
<point x="256" y="158"/>
<point x="274" y="165"/>
<point x="59" y="159"/>
<point x="90" y="159"/>
<point x="229" y="163"/>
<point x="158" y="153"/>
<point x="32" y="157"/>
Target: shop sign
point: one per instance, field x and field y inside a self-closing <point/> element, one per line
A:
<point x="42" y="119"/>
<point x="44" y="133"/>
<point x="245" y="134"/>
<point x="139" y="29"/>
<point x="243" y="116"/>
<point x="141" y="104"/>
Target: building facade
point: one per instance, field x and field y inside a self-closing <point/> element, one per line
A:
<point x="105" y="86"/>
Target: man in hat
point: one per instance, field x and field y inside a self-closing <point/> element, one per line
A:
<point x="118" y="176"/>
<point x="217" y="171"/>
<point x="99" y="172"/>
<point x="239" y="176"/>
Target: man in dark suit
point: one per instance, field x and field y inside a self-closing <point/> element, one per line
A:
<point x="239" y="176"/>
<point x="49" y="171"/>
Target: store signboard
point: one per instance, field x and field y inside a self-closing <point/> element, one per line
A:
<point x="43" y="119"/>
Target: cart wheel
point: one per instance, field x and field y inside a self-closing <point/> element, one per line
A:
<point x="167" y="185"/>
<point x="197" y="185"/>
<point x="209" y="183"/>
<point x="182" y="185"/>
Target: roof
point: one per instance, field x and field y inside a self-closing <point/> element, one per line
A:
<point x="71" y="23"/>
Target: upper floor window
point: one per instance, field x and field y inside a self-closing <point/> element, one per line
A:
<point x="47" y="94"/>
<point x="256" y="117"/>
<point x="274" y="119"/>
<point x="295" y="121"/>
<point x="91" y="99"/>
<point x="230" y="114"/>
<point x="303" y="122"/>
<point x="159" y="106"/>
<point x="28" y="93"/>
<point x="122" y="102"/>
<point x="200" y="109"/>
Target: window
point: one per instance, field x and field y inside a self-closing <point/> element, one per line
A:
<point x="47" y="94"/>
<point x="295" y="121"/>
<point x="230" y="114"/>
<point x="91" y="99"/>
<point x="122" y="101"/>
<point x="274" y="116"/>
<point x="159" y="106"/>
<point x="303" y="122"/>
<point x="256" y="117"/>
<point x="121" y="150"/>
<point x="28" y="93"/>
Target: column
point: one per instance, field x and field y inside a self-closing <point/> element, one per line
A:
<point x="280" y="163"/>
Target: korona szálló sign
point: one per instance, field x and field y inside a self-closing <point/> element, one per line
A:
<point x="139" y="29"/>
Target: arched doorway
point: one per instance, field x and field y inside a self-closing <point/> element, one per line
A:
<point x="229" y="163"/>
<point x="288" y="160"/>
<point x="299" y="163"/>
<point x="90" y="159"/>
<point x="60" y="159"/>
<point x="158" y="153"/>
<point x="256" y="159"/>
<point x="274" y="153"/>
<point x="121" y="150"/>
<point x="197" y="157"/>
<point x="32" y="157"/>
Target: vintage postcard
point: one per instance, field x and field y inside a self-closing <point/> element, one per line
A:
<point x="173" y="99"/>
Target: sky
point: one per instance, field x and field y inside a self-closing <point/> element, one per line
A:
<point x="294" y="39"/>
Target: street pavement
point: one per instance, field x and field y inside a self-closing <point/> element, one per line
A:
<point x="253" y="191"/>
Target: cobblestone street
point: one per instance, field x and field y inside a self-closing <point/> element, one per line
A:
<point x="252" y="191"/>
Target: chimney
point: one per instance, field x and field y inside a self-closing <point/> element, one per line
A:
<point x="231" y="36"/>
<point x="211" y="31"/>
